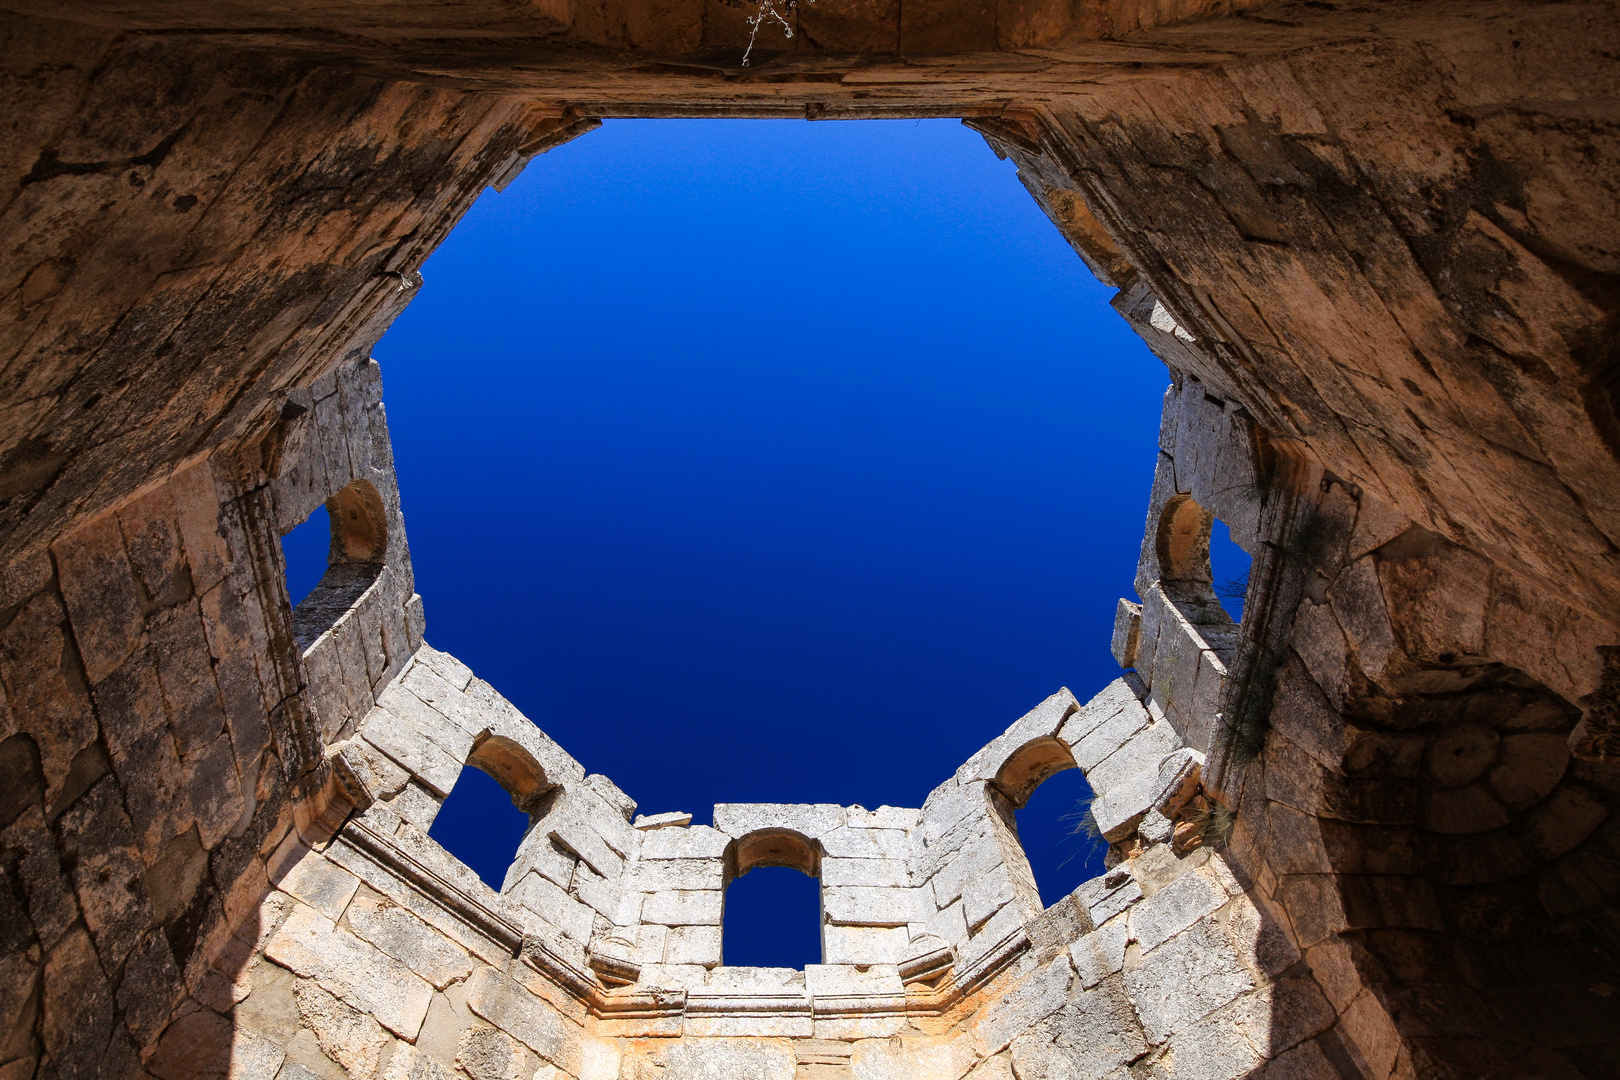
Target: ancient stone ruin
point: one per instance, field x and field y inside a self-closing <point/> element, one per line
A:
<point x="1367" y="832"/>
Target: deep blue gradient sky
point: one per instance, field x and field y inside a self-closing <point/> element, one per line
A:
<point x="772" y="461"/>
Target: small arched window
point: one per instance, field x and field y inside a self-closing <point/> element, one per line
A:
<point x="1051" y="811"/>
<point x="490" y="810"/>
<point x="772" y="911"/>
<point x="356" y="546"/>
<point x="1200" y="565"/>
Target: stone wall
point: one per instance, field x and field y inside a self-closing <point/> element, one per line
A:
<point x="1366" y="832"/>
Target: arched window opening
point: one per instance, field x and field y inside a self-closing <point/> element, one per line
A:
<point x="304" y="552"/>
<point x="1229" y="565"/>
<point x="479" y="825"/>
<point x="1060" y="837"/>
<point x="1051" y="804"/>
<point x="1201" y="567"/>
<point x="772" y="914"/>
<point x="356" y="542"/>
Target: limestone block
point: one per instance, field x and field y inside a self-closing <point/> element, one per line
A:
<point x="1040" y="995"/>
<point x="445" y="716"/>
<point x="847" y="843"/>
<point x="863" y="945"/>
<point x="693" y="945"/>
<point x="583" y="840"/>
<point x="693" y="842"/>
<point x="875" y="906"/>
<point x="561" y="910"/>
<point x="416" y="804"/>
<point x="980" y="856"/>
<point x="310" y="945"/>
<point x="508" y="1006"/>
<point x="673" y="976"/>
<point x="487" y="1053"/>
<point x="1090" y="745"/>
<point x="423" y="758"/>
<point x="712" y="1058"/>
<point x="601" y="895"/>
<point x="846" y="980"/>
<point x="1213" y="1048"/>
<point x="346" y="1035"/>
<point x="98" y="847"/>
<point x="949" y="924"/>
<point x="1095" y="1032"/>
<point x="1280" y="1016"/>
<point x="1100" y="953"/>
<point x="999" y="928"/>
<point x="1185" y="979"/>
<point x="884" y="817"/>
<point x="254" y="1057"/>
<point x="654" y="875"/>
<point x="682" y="907"/>
<point x="407" y="939"/>
<point x="888" y="872"/>
<point x="707" y="1027"/>
<point x="428" y="852"/>
<point x="810" y="819"/>
<point x="1127" y="633"/>
<point x="848" y="1028"/>
<point x="661" y="821"/>
<point x="322" y="885"/>
<point x="1140" y="754"/>
<point x="610" y="793"/>
<point x="947" y="806"/>
<point x="447" y="667"/>
<point x="409" y="1063"/>
<point x="986" y="893"/>
<point x="1361" y="611"/>
<point x="1117" y="811"/>
<point x="1174" y="908"/>
<point x="539" y="854"/>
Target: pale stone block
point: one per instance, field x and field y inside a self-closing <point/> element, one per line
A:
<point x="1116" y="697"/>
<point x="863" y="906"/>
<point x="655" y="875"/>
<point x="846" y="980"/>
<point x="1185" y="979"/>
<point x="849" y="1028"/>
<point x="487" y="1053"/>
<point x="1172" y="909"/>
<point x="1094" y="1033"/>
<point x="1100" y="953"/>
<point x="1284" y="1014"/>
<point x="416" y="804"/>
<point x="693" y="945"/>
<point x="612" y="794"/>
<point x="1043" y="721"/>
<point x="847" y="843"/>
<point x="540" y="854"/>
<point x="408" y="939"/>
<point x="317" y="882"/>
<point x="756" y="980"/>
<point x="716" y="1058"/>
<point x="347" y="1036"/>
<point x="1213" y="1048"/>
<point x="884" y="817"/>
<point x="661" y="821"/>
<point x="949" y="924"/>
<point x="1140" y="754"/>
<point x="1004" y="923"/>
<point x="986" y="894"/>
<point x="447" y="667"/>
<point x="586" y="842"/>
<point x="753" y="1026"/>
<point x="1117" y="811"/>
<point x="869" y="872"/>
<point x="1127" y="632"/>
<point x="673" y="976"/>
<point x="418" y="755"/>
<point x="807" y="819"/>
<point x="863" y="945"/>
<point x="598" y="1060"/>
<point x="597" y="892"/>
<point x="683" y="907"/>
<point x="1038" y="996"/>
<point x="254" y="1057"/>
<point x="503" y="718"/>
<point x="561" y="910"/>
<point x="912" y="1057"/>
<point x="980" y="855"/>
<point x="1115" y="731"/>
<point x="948" y="805"/>
<point x="693" y="842"/>
<point x="532" y="1022"/>
<point x="311" y="945"/>
<point x="445" y="699"/>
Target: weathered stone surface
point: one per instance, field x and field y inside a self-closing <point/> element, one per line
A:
<point x="312" y="946"/>
<point x="1185" y="979"/>
<point x="407" y="939"/>
<point x="510" y="1007"/>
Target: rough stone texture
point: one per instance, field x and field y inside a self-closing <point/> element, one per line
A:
<point x="1376" y="250"/>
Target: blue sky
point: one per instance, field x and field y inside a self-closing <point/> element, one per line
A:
<point x="771" y="461"/>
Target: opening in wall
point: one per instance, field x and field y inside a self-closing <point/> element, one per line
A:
<point x="479" y="825"/>
<point x="1229" y="565"/>
<point x="357" y="542"/>
<point x="1059" y="836"/>
<point x="772" y="912"/>
<point x="304" y="551"/>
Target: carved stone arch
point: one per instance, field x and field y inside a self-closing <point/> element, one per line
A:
<point x="512" y="767"/>
<point x="354" y="560"/>
<point x="1030" y="766"/>
<point x="1182" y="543"/>
<point x="773" y="847"/>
